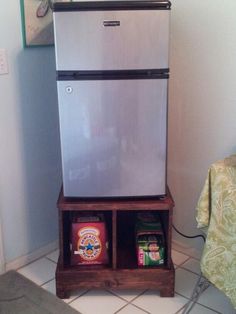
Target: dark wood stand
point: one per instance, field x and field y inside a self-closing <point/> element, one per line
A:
<point x="122" y="272"/>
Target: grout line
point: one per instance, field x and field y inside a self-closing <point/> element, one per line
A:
<point x="116" y="295"/>
<point x="46" y="282"/>
<point x="38" y="284"/>
<point x="179" y="251"/>
<point x="121" y="308"/>
<point x="140" y="308"/>
<point x="191" y="271"/>
<point x="37" y="259"/>
<point x="182" y="295"/>
<point x="190" y="257"/>
<point x="113" y="294"/>
<point x="187" y="299"/>
<point x="51" y="260"/>
<point x="180" y="310"/>
<point x="121" y="298"/>
<point x="139" y="295"/>
<point x="130" y="303"/>
<point x="184" y="261"/>
<point x="186" y="269"/>
<point x="209" y="308"/>
<point x="32" y="262"/>
<point x="77" y="297"/>
<point x="184" y="253"/>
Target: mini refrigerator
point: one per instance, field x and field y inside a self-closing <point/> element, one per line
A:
<point x="112" y="82"/>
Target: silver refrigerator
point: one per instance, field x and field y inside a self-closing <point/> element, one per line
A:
<point x="112" y="81"/>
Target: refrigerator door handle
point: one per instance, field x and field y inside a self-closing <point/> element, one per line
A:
<point x="111" y="23"/>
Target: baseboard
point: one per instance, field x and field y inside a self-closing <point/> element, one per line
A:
<point x="186" y="249"/>
<point x="29" y="258"/>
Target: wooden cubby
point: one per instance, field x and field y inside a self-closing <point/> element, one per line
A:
<point x="122" y="270"/>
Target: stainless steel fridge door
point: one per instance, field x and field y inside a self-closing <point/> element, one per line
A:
<point x="113" y="137"/>
<point x="111" y="40"/>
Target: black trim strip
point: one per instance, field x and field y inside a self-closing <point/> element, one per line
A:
<point x="112" y="75"/>
<point x="111" y="5"/>
<point x="72" y="199"/>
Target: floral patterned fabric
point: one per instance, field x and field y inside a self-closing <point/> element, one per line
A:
<point x="216" y="210"/>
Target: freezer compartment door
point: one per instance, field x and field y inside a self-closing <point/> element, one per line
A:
<point x="111" y="40"/>
<point x="113" y="137"/>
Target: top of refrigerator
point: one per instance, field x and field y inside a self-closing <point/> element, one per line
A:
<point x="111" y="5"/>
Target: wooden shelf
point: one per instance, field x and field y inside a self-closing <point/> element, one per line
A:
<point x="72" y="278"/>
<point x="122" y="271"/>
<point x="142" y="203"/>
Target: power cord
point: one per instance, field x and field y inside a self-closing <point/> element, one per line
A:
<point x="188" y="236"/>
<point x="202" y="283"/>
<point x="50" y="2"/>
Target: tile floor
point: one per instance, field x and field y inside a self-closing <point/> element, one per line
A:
<point x="42" y="272"/>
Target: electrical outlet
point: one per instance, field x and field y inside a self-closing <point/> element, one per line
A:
<point x="3" y="62"/>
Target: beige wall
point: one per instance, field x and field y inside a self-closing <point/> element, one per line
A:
<point x="202" y="100"/>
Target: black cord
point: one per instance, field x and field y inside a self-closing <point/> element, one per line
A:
<point x="50" y="2"/>
<point x="187" y="236"/>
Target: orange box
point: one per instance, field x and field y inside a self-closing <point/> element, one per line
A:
<point x="89" y="241"/>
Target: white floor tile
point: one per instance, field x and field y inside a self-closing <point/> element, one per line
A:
<point x="51" y="287"/>
<point x="128" y="295"/>
<point x="130" y="309"/>
<point x="39" y="271"/>
<point x="185" y="282"/>
<point x="42" y="272"/>
<point x="199" y="309"/>
<point x="97" y="301"/>
<point x="178" y="258"/>
<point x="192" y="265"/>
<point x="187" y="250"/>
<point x="74" y="295"/>
<point x="153" y="303"/>
<point x="216" y="300"/>
<point x="53" y="256"/>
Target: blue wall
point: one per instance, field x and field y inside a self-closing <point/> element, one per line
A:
<point x="30" y="169"/>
